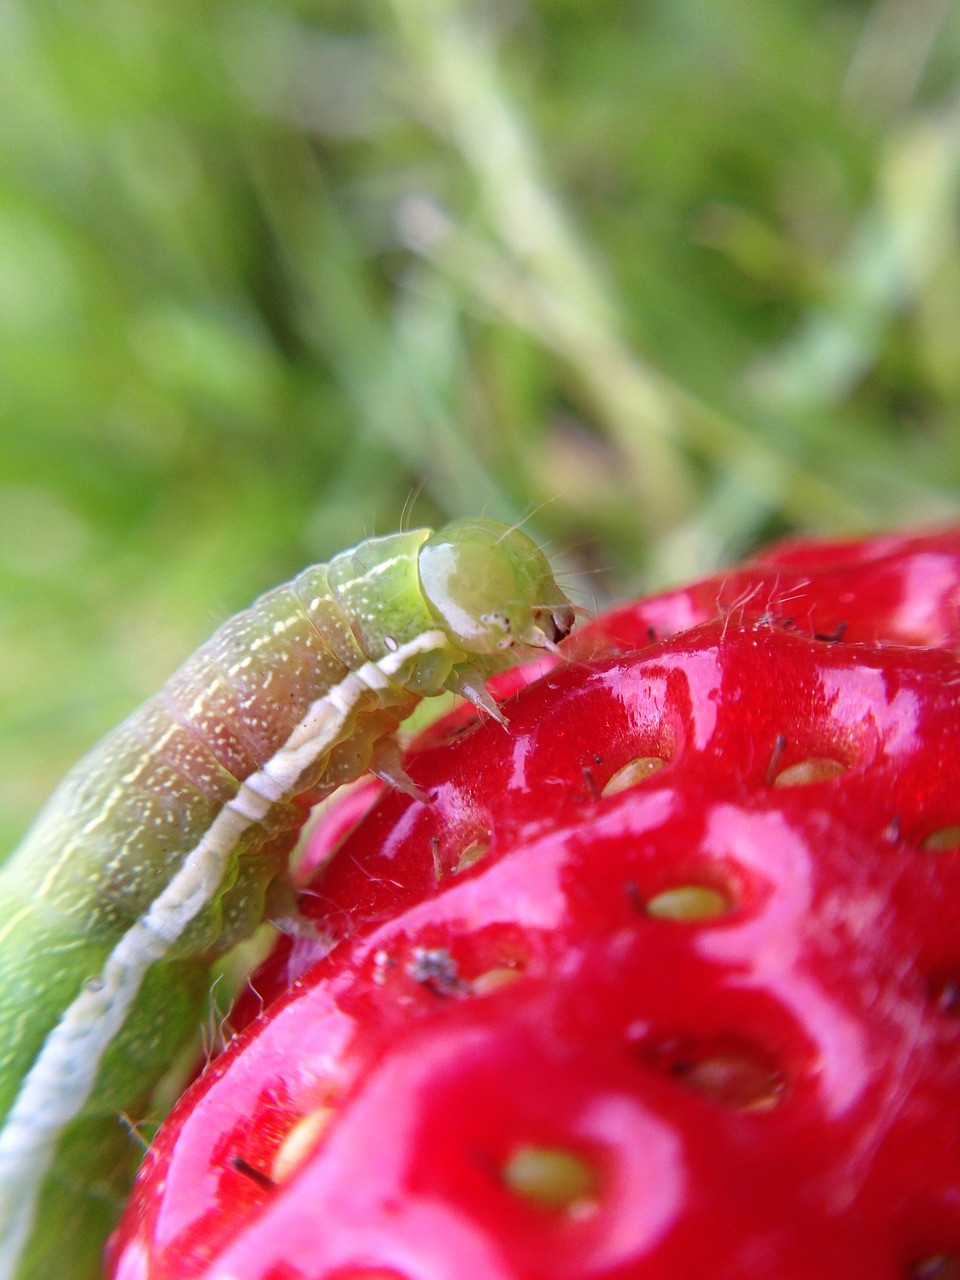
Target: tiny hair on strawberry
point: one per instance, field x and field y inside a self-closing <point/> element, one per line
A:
<point x="661" y="983"/>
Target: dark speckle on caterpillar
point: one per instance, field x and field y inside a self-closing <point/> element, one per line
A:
<point x="163" y="847"/>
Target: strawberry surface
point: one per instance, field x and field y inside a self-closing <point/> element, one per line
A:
<point x="663" y="983"/>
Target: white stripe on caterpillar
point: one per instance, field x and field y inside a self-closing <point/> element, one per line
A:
<point x="129" y="860"/>
<point x="63" y="1075"/>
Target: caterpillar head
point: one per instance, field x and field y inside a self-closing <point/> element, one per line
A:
<point x="492" y="589"/>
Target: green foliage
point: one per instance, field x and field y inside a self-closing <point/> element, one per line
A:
<point x="672" y="275"/>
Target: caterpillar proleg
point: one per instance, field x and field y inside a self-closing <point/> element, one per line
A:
<point x="164" y="846"/>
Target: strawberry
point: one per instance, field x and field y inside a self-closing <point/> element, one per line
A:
<point x="664" y="983"/>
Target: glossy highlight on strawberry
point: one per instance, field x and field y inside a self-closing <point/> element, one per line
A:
<point x="663" y="983"/>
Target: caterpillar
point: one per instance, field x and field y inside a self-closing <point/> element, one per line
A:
<point x="169" y="841"/>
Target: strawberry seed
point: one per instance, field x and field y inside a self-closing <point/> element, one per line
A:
<point x="942" y="839"/>
<point x="470" y="855"/>
<point x="493" y="980"/>
<point x="633" y="773"/>
<point x="299" y="1142"/>
<point x="806" y="772"/>
<point x="688" y="902"/>
<point x="549" y="1177"/>
<point x="735" y="1080"/>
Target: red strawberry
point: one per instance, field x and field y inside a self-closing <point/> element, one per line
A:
<point x="664" y="984"/>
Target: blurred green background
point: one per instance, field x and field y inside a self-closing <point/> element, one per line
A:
<point x="669" y="277"/>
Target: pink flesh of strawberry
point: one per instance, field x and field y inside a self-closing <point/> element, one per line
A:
<point x="768" y="1092"/>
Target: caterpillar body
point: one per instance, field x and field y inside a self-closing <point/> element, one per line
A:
<point x="166" y="844"/>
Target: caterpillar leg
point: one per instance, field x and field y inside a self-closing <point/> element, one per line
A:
<point x="470" y="685"/>
<point x="386" y="764"/>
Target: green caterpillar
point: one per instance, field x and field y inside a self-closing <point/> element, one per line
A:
<point x="167" y="843"/>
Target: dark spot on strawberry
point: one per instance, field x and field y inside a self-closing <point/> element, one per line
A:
<point x="941" y="1266"/>
<point x="435" y="857"/>
<point x="437" y="970"/>
<point x="944" y="992"/>
<point x="239" y="1165"/>
<point x="633" y="895"/>
<point x="776" y="756"/>
<point x="834" y="636"/>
